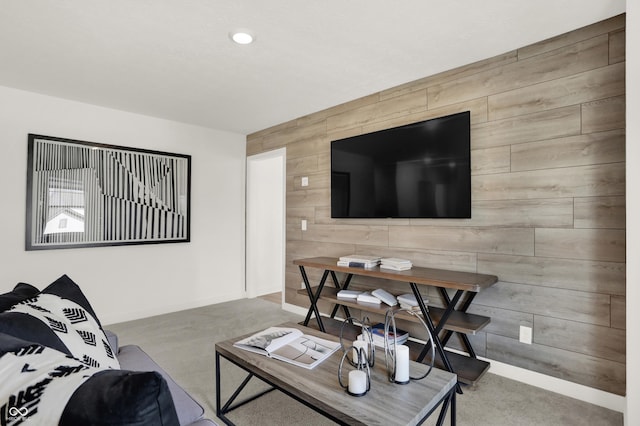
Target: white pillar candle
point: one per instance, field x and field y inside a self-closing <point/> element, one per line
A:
<point x="357" y="345"/>
<point x="357" y="382"/>
<point x="402" y="363"/>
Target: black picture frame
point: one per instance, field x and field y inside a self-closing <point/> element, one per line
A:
<point x="86" y="194"/>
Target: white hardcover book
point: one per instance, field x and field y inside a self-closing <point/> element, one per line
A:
<point x="361" y="258"/>
<point x="368" y="298"/>
<point x="348" y="294"/>
<point x="385" y="296"/>
<point x="395" y="268"/>
<point x="395" y="261"/>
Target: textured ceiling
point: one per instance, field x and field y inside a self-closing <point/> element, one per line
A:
<point x="174" y="60"/>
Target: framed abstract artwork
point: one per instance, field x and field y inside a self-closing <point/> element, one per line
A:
<point x="85" y="194"/>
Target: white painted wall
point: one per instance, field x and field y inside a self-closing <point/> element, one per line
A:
<point x="128" y="282"/>
<point x="632" y="415"/>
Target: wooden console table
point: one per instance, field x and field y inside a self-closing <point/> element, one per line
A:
<point x="448" y="320"/>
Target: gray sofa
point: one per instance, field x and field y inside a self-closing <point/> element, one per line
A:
<point x="53" y="351"/>
<point x="132" y="357"/>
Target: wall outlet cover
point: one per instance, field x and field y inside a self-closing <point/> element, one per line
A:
<point x="526" y="334"/>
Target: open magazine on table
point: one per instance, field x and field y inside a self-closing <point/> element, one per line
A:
<point x="289" y="345"/>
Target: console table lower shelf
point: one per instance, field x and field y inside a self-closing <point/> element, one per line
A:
<point x="468" y="369"/>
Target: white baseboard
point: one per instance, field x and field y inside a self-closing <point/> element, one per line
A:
<point x="294" y="308"/>
<point x="563" y="387"/>
<point x="117" y="317"/>
<point x="553" y="384"/>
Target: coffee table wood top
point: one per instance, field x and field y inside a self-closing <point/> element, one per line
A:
<point x="386" y="403"/>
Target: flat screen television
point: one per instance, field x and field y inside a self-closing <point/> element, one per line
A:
<point x="419" y="170"/>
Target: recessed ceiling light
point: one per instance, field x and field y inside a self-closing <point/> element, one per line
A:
<point x="242" y="36"/>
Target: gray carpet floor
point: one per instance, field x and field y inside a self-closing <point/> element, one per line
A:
<point x="183" y="344"/>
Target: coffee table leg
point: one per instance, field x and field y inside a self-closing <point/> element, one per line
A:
<point x="450" y="399"/>
<point x="221" y="410"/>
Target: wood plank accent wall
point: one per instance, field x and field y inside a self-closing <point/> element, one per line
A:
<point x="548" y="191"/>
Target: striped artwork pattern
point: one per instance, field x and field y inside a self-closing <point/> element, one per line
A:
<point x="92" y="194"/>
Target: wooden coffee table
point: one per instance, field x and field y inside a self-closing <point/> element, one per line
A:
<point x="385" y="404"/>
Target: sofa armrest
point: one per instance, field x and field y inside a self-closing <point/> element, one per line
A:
<point x="113" y="341"/>
<point x="131" y="357"/>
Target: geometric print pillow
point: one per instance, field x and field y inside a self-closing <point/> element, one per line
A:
<point x="76" y="328"/>
<point x="38" y="381"/>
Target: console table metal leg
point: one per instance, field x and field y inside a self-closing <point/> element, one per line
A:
<point x="435" y="331"/>
<point x="463" y="308"/>
<point x="313" y="298"/>
<point x="336" y="283"/>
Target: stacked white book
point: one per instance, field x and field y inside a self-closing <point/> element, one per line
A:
<point x="359" y="261"/>
<point x="408" y="301"/>
<point x="395" y="264"/>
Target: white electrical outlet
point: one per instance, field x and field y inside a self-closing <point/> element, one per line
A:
<point x="305" y="181"/>
<point x="526" y="334"/>
<point x="304" y="224"/>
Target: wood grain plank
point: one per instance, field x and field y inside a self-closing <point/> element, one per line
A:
<point x="296" y="214"/>
<point x="600" y="212"/>
<point x="589" y="244"/>
<point x="566" y="61"/>
<point x="309" y="197"/>
<point x="454" y="74"/>
<point x="593" y="148"/>
<point x="603" y="27"/>
<point x="617" y="46"/>
<point x="604" y="114"/>
<point x="295" y="133"/>
<point x="362" y="234"/>
<point x="307" y="147"/>
<point x="619" y="312"/>
<point x="380" y="111"/>
<point x="491" y="160"/>
<point x="525" y="213"/>
<point x="582" y="181"/>
<point x="439" y="259"/>
<point x="476" y="107"/>
<point x="584" y="275"/>
<point x="318" y="180"/>
<point x="254" y="145"/>
<point x="587" y="370"/>
<point x="482" y="240"/>
<point x="587" y="339"/>
<point x="300" y="165"/>
<point x="591" y="308"/>
<point x="588" y="86"/>
<point x="530" y="127"/>
<point x="504" y="322"/>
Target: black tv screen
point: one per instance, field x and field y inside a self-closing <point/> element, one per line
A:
<point x="420" y="170"/>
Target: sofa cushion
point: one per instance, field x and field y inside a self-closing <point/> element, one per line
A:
<point x="61" y="317"/>
<point x="41" y="385"/>
<point x="133" y="358"/>
<point x="20" y="292"/>
<point x="121" y="397"/>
